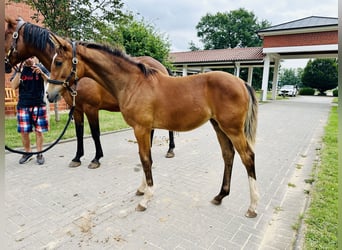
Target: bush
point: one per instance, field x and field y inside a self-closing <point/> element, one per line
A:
<point x="306" y="91"/>
<point x="335" y="92"/>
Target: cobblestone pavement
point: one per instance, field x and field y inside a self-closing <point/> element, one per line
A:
<point x="52" y="206"/>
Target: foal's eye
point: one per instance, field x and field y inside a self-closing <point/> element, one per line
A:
<point x="58" y="63"/>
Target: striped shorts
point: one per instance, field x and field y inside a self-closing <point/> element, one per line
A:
<point x="30" y="117"/>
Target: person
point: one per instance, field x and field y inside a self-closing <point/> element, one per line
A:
<point x="31" y="108"/>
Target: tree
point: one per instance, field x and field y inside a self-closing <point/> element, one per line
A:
<point x="102" y="21"/>
<point x="78" y="19"/>
<point x="237" y="28"/>
<point x="193" y="47"/>
<point x="321" y="74"/>
<point x="230" y="29"/>
<point x="291" y="77"/>
<point x="142" y="39"/>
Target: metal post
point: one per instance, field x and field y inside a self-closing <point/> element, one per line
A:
<point x="55" y="105"/>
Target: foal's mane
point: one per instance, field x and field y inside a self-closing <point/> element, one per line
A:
<point x="147" y="71"/>
<point x="37" y="37"/>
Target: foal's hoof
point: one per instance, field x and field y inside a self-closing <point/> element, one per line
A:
<point x="170" y="154"/>
<point x="140" y="208"/>
<point x="94" y="165"/>
<point x="251" y="214"/>
<point x="74" y="164"/>
<point x="216" y="202"/>
<point x="139" y="193"/>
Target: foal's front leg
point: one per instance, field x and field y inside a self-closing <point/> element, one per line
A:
<point x="146" y="188"/>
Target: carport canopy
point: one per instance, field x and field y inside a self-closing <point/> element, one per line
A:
<point x="205" y="60"/>
<point x="310" y="37"/>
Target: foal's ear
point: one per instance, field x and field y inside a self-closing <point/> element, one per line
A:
<point x="59" y="42"/>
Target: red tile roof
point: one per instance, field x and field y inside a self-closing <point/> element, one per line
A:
<point x="218" y="55"/>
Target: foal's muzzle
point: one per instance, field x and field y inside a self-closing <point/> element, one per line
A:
<point x="53" y="98"/>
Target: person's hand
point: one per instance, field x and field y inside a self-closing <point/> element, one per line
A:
<point x="36" y="69"/>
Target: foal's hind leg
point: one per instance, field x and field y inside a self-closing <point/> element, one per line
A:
<point x="143" y="137"/>
<point x="247" y="156"/>
<point x="228" y="157"/>
<point x="170" y="153"/>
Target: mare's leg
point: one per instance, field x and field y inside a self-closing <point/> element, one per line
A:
<point x="170" y="153"/>
<point x="93" y="119"/>
<point x="247" y="156"/>
<point x="152" y="134"/>
<point x="143" y="136"/>
<point x="79" y="126"/>
<point x="228" y="157"/>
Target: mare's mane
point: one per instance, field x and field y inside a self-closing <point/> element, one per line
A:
<point x="37" y="37"/>
<point x="147" y="71"/>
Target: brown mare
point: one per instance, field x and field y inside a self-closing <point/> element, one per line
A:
<point x="36" y="41"/>
<point x="149" y="100"/>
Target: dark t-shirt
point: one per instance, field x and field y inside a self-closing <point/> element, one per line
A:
<point x="31" y="87"/>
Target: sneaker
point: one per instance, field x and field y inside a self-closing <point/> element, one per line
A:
<point x="25" y="158"/>
<point x="40" y="159"/>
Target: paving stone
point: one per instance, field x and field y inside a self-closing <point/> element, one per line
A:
<point x="55" y="207"/>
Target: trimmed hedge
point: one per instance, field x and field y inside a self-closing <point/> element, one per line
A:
<point x="307" y="91"/>
<point x="335" y="92"/>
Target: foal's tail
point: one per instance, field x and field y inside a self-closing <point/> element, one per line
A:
<point x="252" y="116"/>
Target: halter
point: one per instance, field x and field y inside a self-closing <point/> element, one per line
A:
<point x="15" y="37"/>
<point x="73" y="73"/>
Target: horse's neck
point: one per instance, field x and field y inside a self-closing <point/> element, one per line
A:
<point x="114" y="73"/>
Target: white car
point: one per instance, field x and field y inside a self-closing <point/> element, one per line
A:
<point x="289" y="90"/>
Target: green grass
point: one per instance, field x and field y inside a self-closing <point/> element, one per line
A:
<point x="322" y="216"/>
<point x="269" y="96"/>
<point x="109" y="121"/>
<point x="258" y="95"/>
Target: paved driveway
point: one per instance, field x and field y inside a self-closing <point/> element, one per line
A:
<point x="55" y="207"/>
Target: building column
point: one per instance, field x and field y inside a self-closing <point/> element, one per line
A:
<point x="275" y="79"/>
<point x="250" y="75"/>
<point x="237" y="69"/>
<point x="185" y="70"/>
<point x="265" y="76"/>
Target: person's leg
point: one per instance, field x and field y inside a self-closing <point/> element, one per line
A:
<point x="25" y="138"/>
<point x="39" y="143"/>
<point x="41" y="125"/>
<point x="24" y="128"/>
<point x="39" y="140"/>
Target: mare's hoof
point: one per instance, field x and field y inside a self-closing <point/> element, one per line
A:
<point x="139" y="193"/>
<point x="170" y="154"/>
<point x="251" y="214"/>
<point x="74" y="164"/>
<point x="94" y="165"/>
<point x="140" y="208"/>
<point x="215" y="202"/>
